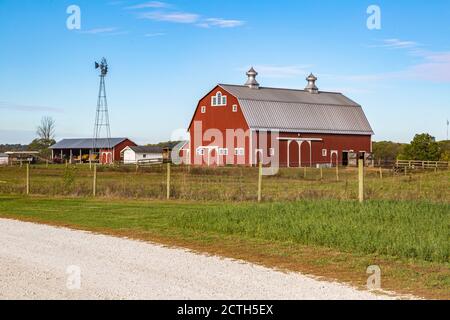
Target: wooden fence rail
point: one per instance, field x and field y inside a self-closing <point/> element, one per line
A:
<point x="417" y="164"/>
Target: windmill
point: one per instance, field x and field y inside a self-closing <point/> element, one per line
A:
<point x="102" y="131"/>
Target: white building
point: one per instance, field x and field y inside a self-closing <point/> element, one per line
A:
<point x="142" y="154"/>
<point x="4" y="159"/>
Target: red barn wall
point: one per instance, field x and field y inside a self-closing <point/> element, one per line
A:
<point x="330" y="142"/>
<point x="220" y="118"/>
<point x="118" y="148"/>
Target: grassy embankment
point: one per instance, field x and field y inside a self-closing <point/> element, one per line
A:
<point x="330" y="238"/>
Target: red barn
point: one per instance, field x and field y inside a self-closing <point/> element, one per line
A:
<point x="75" y="150"/>
<point x="245" y="124"/>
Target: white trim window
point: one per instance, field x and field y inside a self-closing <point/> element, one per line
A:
<point x="219" y="100"/>
<point x="203" y="109"/>
<point x="271" y="152"/>
<point x="239" y="151"/>
<point x="200" y="151"/>
<point x="324" y="152"/>
<point x="235" y="109"/>
<point x="223" y="151"/>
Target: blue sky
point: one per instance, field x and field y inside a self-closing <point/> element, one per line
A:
<point x="164" y="56"/>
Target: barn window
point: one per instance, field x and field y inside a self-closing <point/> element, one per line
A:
<point x="239" y="151"/>
<point x="271" y="152"/>
<point x="219" y="100"/>
<point x="203" y="109"/>
<point x="200" y="151"/>
<point x="324" y="152"/>
<point x="234" y="107"/>
<point x="223" y="151"/>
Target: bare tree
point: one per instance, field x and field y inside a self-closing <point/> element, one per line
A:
<point x="46" y="130"/>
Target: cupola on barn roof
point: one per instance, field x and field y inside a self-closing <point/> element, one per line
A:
<point x="251" y="81"/>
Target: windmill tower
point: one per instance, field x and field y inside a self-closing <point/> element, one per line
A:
<point x="102" y="131"/>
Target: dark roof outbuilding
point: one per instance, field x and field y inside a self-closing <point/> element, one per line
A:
<point x="87" y="143"/>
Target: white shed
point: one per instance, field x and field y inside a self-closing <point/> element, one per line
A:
<point x="142" y="154"/>
<point x="4" y="159"/>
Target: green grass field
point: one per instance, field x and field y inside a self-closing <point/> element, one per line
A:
<point x="306" y="222"/>
<point x="408" y="239"/>
<point x="224" y="184"/>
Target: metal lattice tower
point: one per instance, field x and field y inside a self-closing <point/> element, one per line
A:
<point x="101" y="116"/>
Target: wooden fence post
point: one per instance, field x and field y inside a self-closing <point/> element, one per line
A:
<point x="361" y="180"/>
<point x="337" y="172"/>
<point x="304" y="172"/>
<point x="321" y="173"/>
<point x="381" y="173"/>
<point x="28" y="178"/>
<point x="259" y="181"/>
<point x="168" y="181"/>
<point x="94" y="184"/>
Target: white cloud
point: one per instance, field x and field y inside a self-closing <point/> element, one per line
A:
<point x="156" y="34"/>
<point x="396" y="44"/>
<point x="175" y="17"/>
<point x="271" y="71"/>
<point x="27" y="108"/>
<point x="100" y="30"/>
<point x="433" y="66"/>
<point x="150" y="4"/>
<point x="221" y="23"/>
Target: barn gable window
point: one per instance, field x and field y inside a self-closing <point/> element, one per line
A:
<point x="203" y="109"/>
<point x="219" y="100"/>
<point x="235" y="108"/>
<point x="324" y="152"/>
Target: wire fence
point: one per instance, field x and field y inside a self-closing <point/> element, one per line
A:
<point x="224" y="183"/>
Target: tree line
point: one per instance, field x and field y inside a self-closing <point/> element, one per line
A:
<point x="423" y="147"/>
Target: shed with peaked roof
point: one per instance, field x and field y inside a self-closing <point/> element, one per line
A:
<point x="80" y="150"/>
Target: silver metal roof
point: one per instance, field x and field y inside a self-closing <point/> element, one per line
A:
<point x="147" y="149"/>
<point x="300" y="111"/>
<point x="86" y="143"/>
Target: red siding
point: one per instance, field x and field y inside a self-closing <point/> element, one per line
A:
<point x="219" y="118"/>
<point x="116" y="150"/>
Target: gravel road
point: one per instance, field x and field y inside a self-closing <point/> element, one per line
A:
<point x="43" y="262"/>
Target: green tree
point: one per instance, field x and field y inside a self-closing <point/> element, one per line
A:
<point x="445" y="149"/>
<point x="386" y="150"/>
<point x="46" y="133"/>
<point x="42" y="146"/>
<point x="423" y="147"/>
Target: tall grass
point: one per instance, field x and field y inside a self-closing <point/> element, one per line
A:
<point x="224" y="184"/>
<point x="407" y="230"/>
<point x="403" y="229"/>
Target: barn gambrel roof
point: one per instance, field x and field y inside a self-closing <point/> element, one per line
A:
<point x="300" y="111"/>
